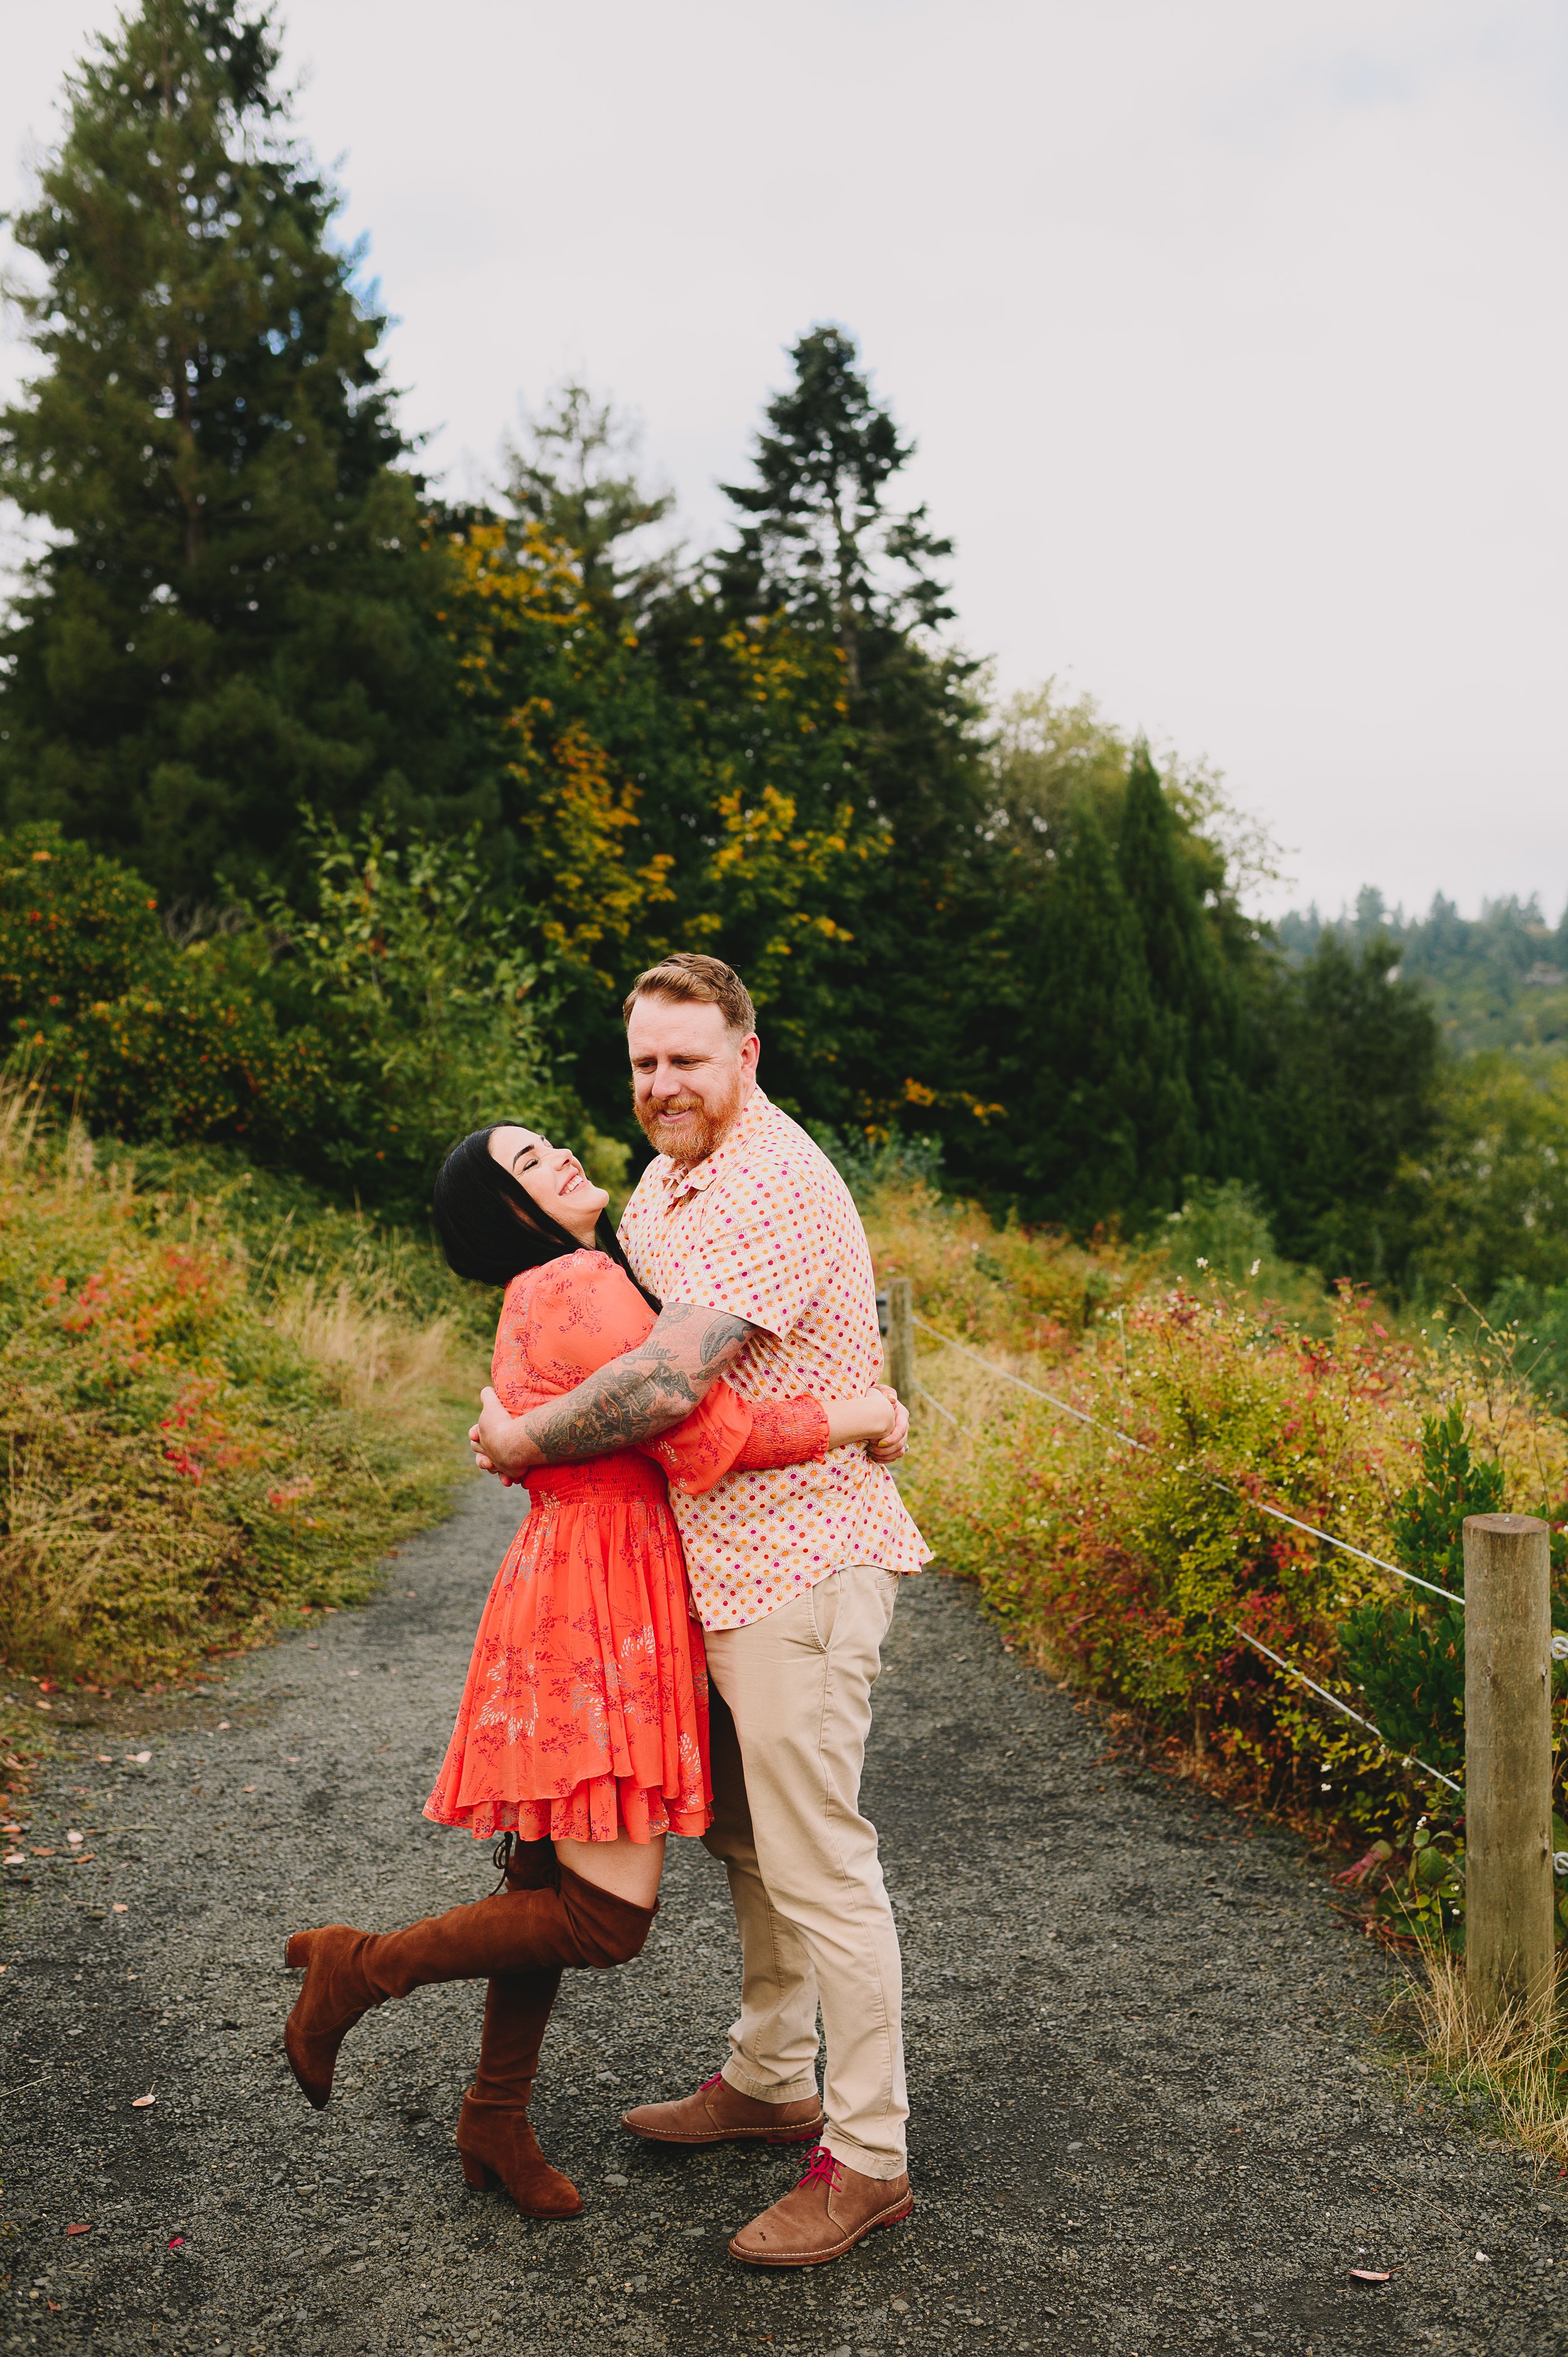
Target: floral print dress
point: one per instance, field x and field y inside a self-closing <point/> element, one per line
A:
<point x="585" y="1710"/>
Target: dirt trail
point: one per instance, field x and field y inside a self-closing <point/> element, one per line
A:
<point x="1149" y="2114"/>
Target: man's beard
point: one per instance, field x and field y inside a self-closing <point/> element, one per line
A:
<point x="695" y="1139"/>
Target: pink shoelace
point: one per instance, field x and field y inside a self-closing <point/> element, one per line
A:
<point x="821" y="2170"/>
<point x="709" y="2083"/>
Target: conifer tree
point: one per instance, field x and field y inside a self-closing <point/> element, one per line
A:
<point x="1194" y="1124"/>
<point x="1062" y="1039"/>
<point x="826" y="545"/>
<point x="233" y="613"/>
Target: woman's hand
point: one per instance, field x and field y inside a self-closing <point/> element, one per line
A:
<point x="875" y="1420"/>
<point x="896" y="1439"/>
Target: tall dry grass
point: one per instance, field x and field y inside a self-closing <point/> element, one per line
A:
<point x="1516" y="2065"/>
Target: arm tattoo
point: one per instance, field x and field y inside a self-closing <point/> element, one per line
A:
<point x="638" y="1397"/>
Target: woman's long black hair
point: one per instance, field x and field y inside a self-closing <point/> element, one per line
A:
<point x="491" y="1229"/>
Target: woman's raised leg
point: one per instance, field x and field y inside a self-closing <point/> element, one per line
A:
<point x="629" y="1869"/>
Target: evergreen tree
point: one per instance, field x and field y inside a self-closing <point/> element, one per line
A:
<point x="1195" y="1124"/>
<point x="575" y="474"/>
<point x="825" y="544"/>
<point x="1349" y="1050"/>
<point x="235" y="609"/>
<point x="1060" y="1041"/>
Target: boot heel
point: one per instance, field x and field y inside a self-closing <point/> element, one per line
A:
<point x="475" y="2173"/>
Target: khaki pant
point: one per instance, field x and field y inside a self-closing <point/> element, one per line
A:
<point x="791" y="1712"/>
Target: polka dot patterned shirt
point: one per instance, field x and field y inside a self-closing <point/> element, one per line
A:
<point x="765" y="1230"/>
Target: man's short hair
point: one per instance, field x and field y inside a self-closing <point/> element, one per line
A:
<point x="701" y="982"/>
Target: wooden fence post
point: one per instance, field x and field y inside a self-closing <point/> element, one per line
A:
<point x="1510" y="1947"/>
<point x="901" y="1339"/>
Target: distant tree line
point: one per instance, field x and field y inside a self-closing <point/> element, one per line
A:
<point x="256" y="664"/>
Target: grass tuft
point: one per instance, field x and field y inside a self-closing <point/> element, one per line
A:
<point x="1518" y="2063"/>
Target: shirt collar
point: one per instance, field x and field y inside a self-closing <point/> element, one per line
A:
<point x="701" y="1176"/>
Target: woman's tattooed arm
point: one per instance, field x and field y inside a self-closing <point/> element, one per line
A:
<point x="634" y="1398"/>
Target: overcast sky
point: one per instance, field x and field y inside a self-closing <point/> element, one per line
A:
<point x="1233" y="336"/>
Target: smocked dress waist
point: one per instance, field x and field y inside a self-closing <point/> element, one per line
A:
<point x="617" y="1480"/>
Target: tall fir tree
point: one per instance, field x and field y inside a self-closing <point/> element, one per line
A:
<point x="1349" y="1050"/>
<point x="233" y="612"/>
<point x="1196" y="1125"/>
<point x="1062" y="1046"/>
<point x="825" y="543"/>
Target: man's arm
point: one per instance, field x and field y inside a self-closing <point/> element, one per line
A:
<point x="633" y="1399"/>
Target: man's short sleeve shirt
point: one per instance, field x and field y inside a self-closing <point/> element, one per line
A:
<point x="765" y="1230"/>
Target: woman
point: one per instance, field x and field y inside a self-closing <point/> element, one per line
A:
<point x="582" y="1738"/>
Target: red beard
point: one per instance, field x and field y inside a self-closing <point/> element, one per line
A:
<point x="694" y="1139"/>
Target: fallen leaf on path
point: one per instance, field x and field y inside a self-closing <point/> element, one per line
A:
<point x="247" y="1788"/>
<point x="75" y="1839"/>
<point x="17" y="1857"/>
<point x="1371" y="2274"/>
<point x="140" y="2103"/>
<point x="43" y="1853"/>
<point x="221" y="1725"/>
<point x="141" y="1758"/>
<point x="79" y="2230"/>
<point x="177" y="2242"/>
<point x="1485" y="2256"/>
<point x="103" y="1760"/>
<point x="119" y="1908"/>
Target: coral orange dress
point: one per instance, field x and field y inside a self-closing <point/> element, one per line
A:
<point x="585" y="1710"/>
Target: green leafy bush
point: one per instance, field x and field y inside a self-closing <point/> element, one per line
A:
<point x="1405" y="1652"/>
<point x="144" y="1037"/>
<point x="220" y="1401"/>
<point x="1134" y="1554"/>
<point x="350" y="1038"/>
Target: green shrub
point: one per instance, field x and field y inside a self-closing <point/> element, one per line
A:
<point x="1132" y="1555"/>
<point x="142" y="1038"/>
<point x="352" y="1039"/>
<point x="220" y="1401"/>
<point x="1405" y="1652"/>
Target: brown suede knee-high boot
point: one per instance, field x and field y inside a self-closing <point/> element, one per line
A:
<point x="348" y="1971"/>
<point x="495" y="2135"/>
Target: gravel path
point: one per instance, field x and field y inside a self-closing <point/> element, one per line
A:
<point x="1150" y="2112"/>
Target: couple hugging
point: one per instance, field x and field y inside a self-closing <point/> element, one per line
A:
<point x="694" y="1409"/>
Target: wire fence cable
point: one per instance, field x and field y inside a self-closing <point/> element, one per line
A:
<point x="1277" y="1513"/>
<point x="1408" y="1758"/>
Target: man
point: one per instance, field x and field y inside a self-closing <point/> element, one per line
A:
<point x="750" y="1237"/>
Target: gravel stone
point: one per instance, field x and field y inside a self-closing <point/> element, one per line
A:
<point x="1152" y="2113"/>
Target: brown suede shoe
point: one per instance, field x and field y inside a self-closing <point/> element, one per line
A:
<point x="720" y="2114"/>
<point x="832" y="2208"/>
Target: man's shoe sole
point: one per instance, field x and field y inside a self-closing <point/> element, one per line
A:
<point x="803" y="2132"/>
<point x="888" y="2217"/>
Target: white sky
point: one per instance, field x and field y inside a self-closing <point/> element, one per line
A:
<point x="1233" y="336"/>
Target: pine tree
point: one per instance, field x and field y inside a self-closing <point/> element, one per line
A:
<point x="1061" y="1041"/>
<point x="826" y="546"/>
<point x="234" y="611"/>
<point x="1350" y="1050"/>
<point x="1195" y="1123"/>
<point x="575" y="474"/>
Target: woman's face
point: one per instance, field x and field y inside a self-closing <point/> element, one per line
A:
<point x="551" y="1177"/>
